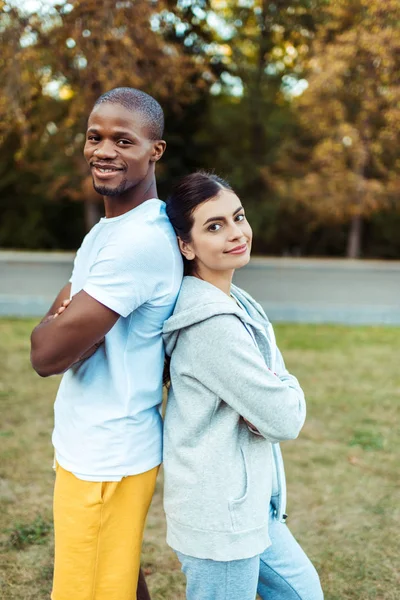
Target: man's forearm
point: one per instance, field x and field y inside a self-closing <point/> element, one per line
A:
<point x="44" y="356"/>
<point x="57" y="367"/>
<point x="74" y="333"/>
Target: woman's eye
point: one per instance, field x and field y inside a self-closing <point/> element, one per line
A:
<point x="240" y="217"/>
<point x="214" y="227"/>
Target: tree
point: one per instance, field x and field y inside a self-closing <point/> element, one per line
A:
<point x="57" y="63"/>
<point x="344" y="165"/>
<point x="259" y="48"/>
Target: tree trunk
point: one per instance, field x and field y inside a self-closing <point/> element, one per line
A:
<point x="142" y="591"/>
<point x="257" y="132"/>
<point x="354" y="239"/>
<point x="92" y="214"/>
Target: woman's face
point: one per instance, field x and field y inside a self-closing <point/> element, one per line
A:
<point x="220" y="236"/>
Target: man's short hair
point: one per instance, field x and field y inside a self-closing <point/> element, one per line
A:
<point x="136" y="100"/>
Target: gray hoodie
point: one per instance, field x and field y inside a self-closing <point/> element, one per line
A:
<point x="219" y="475"/>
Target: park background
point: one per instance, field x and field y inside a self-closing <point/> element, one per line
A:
<point x="297" y="103"/>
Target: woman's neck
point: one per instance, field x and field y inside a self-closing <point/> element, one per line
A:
<point x="220" y="279"/>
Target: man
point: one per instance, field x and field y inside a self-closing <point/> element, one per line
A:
<point x="107" y="341"/>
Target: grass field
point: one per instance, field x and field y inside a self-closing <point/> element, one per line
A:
<point x="343" y="472"/>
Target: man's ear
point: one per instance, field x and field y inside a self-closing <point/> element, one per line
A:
<point x="158" y="150"/>
<point x="186" y="250"/>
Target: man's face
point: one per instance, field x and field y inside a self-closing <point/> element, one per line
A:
<point x="118" y="150"/>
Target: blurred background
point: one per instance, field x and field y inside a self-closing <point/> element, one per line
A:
<point x="296" y="102"/>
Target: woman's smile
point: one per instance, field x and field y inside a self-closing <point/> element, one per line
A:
<point x="237" y="249"/>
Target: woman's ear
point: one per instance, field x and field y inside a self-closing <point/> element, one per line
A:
<point x="186" y="249"/>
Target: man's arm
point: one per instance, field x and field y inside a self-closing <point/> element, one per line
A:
<point x="56" y="344"/>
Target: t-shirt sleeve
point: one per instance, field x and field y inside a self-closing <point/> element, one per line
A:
<point x="125" y="274"/>
<point x="73" y="267"/>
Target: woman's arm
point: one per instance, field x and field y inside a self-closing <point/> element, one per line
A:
<point x="225" y="359"/>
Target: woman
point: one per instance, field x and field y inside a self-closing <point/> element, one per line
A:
<point x="230" y="401"/>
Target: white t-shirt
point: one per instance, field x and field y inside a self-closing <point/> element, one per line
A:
<point x="107" y="411"/>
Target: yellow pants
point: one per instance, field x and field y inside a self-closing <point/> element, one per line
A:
<point x="98" y="535"/>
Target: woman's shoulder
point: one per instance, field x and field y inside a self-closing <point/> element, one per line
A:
<point x="196" y="293"/>
<point x="251" y="305"/>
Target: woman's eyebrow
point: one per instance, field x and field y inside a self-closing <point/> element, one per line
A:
<point x="222" y="218"/>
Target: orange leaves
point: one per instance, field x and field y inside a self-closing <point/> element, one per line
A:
<point x="76" y="52"/>
<point x="350" y="114"/>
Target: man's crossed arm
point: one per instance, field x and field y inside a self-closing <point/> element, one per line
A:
<point x="58" y="343"/>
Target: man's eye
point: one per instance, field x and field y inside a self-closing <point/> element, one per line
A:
<point x="124" y="142"/>
<point x="214" y="227"/>
<point x="93" y="138"/>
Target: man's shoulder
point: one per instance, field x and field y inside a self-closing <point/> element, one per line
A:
<point x="146" y="216"/>
<point x="148" y="230"/>
<point x="143" y="239"/>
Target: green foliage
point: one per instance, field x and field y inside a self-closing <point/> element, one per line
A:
<point x="344" y="166"/>
<point x="227" y="74"/>
<point x="24" y="535"/>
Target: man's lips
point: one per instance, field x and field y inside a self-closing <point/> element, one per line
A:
<point x="104" y="171"/>
<point x="238" y="249"/>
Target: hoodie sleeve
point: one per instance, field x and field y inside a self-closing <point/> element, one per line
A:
<point x="225" y="359"/>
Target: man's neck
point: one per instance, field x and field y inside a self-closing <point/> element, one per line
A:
<point x="115" y="206"/>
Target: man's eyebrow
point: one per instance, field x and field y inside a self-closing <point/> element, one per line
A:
<point x="117" y="133"/>
<point x="221" y="218"/>
<point x="123" y="133"/>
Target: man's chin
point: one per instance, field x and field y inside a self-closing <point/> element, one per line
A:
<point x="105" y="190"/>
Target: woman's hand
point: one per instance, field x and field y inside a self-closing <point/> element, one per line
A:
<point x="251" y="427"/>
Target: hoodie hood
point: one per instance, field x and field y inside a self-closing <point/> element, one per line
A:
<point x="199" y="300"/>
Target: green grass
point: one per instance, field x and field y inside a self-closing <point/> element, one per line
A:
<point x="343" y="471"/>
<point x="23" y="535"/>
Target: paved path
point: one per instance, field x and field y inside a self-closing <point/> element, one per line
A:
<point x="300" y="290"/>
<point x="318" y="291"/>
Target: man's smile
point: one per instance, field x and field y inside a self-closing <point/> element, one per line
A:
<point x="105" y="171"/>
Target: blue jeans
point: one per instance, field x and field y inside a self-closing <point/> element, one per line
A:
<point x="282" y="572"/>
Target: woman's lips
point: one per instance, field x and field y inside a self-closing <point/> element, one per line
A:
<point x="238" y="249"/>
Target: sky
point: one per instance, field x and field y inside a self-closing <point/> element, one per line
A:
<point x="32" y="6"/>
<point x="293" y="87"/>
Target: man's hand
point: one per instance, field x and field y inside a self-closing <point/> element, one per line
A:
<point x="63" y="306"/>
<point x="50" y="315"/>
<point x="62" y="295"/>
<point x="91" y="350"/>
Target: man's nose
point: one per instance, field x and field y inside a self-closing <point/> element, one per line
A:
<point x="105" y="149"/>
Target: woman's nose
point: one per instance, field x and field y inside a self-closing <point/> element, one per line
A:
<point x="235" y="231"/>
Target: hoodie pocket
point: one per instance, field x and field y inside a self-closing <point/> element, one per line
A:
<point x="236" y="506"/>
<point x="251" y="510"/>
